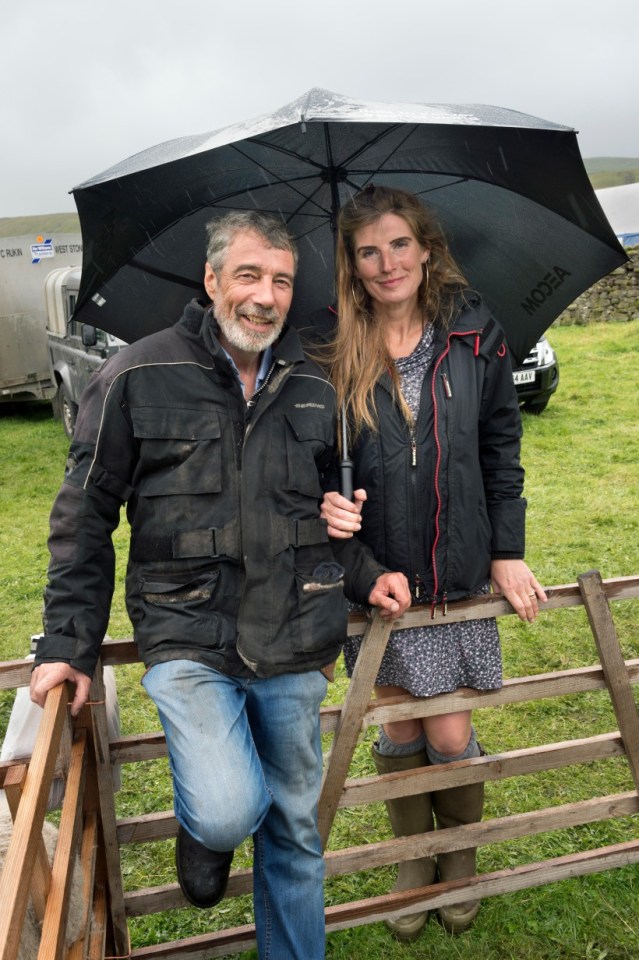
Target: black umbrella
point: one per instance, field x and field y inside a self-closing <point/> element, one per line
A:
<point x="510" y="190"/>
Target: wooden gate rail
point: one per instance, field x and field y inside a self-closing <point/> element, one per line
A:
<point x="17" y="673"/>
<point x="82" y="756"/>
<point x="90" y="756"/>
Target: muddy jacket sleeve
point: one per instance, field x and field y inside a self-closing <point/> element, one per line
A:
<point x="77" y="597"/>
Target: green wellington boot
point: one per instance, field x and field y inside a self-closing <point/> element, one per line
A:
<point x="409" y="815"/>
<point x="452" y="808"/>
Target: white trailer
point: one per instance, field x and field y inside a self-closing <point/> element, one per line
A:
<point x="25" y="262"/>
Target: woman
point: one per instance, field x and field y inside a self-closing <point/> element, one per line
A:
<point x="423" y="372"/>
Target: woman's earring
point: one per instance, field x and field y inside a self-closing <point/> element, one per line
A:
<point x="358" y="303"/>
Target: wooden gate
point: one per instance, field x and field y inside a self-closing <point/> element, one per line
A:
<point x="82" y="752"/>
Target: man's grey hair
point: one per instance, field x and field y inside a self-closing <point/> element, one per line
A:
<point x="222" y="231"/>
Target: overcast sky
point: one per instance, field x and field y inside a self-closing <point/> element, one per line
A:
<point x="85" y="85"/>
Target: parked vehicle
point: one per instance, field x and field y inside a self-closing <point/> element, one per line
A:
<point x="537" y="378"/>
<point x="75" y="349"/>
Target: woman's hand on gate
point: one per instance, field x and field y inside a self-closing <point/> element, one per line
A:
<point x="517" y="583"/>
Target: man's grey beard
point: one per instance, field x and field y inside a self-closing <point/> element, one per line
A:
<point x="237" y="335"/>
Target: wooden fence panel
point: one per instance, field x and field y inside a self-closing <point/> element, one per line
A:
<point x="15" y="882"/>
<point x="103" y="834"/>
<point x="52" y="941"/>
<point x="614" y="668"/>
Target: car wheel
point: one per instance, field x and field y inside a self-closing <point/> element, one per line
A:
<point x="55" y="406"/>
<point x="68" y="411"/>
<point x="535" y="406"/>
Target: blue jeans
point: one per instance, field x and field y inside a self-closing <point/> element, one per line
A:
<point x="246" y="759"/>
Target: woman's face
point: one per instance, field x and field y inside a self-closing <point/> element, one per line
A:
<point x="389" y="260"/>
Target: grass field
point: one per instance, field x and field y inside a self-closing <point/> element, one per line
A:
<point x="582" y="484"/>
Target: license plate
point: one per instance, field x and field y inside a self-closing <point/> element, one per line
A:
<point x="523" y="376"/>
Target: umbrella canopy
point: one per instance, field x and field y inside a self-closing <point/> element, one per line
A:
<point x="510" y="190"/>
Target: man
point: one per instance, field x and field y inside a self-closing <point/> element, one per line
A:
<point x="217" y="433"/>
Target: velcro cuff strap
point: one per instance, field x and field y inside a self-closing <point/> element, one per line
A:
<point x="109" y="482"/>
<point x="52" y="648"/>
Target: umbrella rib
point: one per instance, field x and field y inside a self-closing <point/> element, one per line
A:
<point x="374" y="140"/>
<point x="314" y="163"/>
<point x="164" y="274"/>
<point x="286" y="183"/>
<point x="370" y="174"/>
<point x="219" y="199"/>
<point x="441" y="186"/>
<point x="320" y="214"/>
<point x="330" y="166"/>
<point x="277" y="149"/>
<point x="300" y="209"/>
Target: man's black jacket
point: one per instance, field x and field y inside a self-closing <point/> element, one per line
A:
<point x="229" y="561"/>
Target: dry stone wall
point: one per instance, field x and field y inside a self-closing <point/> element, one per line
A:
<point x="614" y="298"/>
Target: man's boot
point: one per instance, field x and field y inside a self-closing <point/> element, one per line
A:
<point x="409" y="815"/>
<point x="452" y="808"/>
<point x="202" y="873"/>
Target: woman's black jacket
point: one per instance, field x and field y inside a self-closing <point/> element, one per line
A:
<point x="446" y="498"/>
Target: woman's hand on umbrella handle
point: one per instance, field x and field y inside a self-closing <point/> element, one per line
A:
<point x="517" y="583"/>
<point x="342" y="515"/>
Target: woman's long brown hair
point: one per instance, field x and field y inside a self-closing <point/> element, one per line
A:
<point x="358" y="355"/>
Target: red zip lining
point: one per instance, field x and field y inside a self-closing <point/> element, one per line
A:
<point x="470" y="333"/>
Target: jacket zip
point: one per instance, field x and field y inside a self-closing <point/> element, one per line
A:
<point x="417" y="586"/>
<point x="414" y="561"/>
<point x="252" y="401"/>
<point x="417" y="557"/>
<point x="438" y="497"/>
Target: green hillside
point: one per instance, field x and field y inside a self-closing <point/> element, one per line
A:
<point x="46" y="223"/>
<point x="612" y="171"/>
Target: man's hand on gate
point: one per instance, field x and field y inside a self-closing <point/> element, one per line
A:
<point x="49" y="675"/>
<point x="391" y="595"/>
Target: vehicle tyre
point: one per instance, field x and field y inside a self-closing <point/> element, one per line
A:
<point x="68" y="411"/>
<point x="55" y="406"/>
<point x="535" y="406"/>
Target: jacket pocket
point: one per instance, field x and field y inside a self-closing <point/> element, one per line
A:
<point x="179" y="610"/>
<point x="320" y="619"/>
<point x="180" y="451"/>
<point x="308" y="437"/>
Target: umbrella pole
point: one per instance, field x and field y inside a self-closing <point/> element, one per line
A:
<point x="345" y="463"/>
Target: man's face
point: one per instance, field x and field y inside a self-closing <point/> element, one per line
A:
<point x="252" y="293"/>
